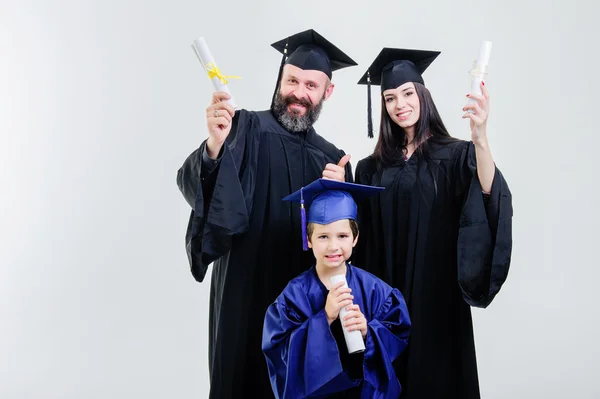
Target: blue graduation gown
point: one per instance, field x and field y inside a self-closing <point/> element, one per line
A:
<point x="304" y="357"/>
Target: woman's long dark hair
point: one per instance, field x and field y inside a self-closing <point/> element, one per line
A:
<point x="392" y="139"/>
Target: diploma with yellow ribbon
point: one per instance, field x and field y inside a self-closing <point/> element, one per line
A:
<point x="210" y="66"/>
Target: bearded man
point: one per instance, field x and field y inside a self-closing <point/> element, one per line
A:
<point x="234" y="183"/>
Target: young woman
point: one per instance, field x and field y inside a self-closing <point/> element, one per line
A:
<point x="441" y="229"/>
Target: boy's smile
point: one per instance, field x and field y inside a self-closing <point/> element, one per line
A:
<point x="334" y="258"/>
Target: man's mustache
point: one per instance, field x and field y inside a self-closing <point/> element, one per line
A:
<point x="292" y="99"/>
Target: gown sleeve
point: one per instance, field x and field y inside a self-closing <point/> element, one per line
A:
<point x="349" y="176"/>
<point x="365" y="251"/>
<point x="387" y="337"/>
<point x="221" y="196"/>
<point x="485" y="231"/>
<point x="301" y="352"/>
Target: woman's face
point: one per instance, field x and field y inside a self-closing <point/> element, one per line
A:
<point x="403" y="106"/>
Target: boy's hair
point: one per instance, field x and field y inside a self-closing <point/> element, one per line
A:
<point x="310" y="228"/>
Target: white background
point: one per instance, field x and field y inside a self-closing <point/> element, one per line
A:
<point x="101" y="101"/>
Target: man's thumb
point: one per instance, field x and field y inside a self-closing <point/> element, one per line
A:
<point x="344" y="160"/>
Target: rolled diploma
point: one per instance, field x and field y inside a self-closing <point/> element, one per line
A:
<point x="354" y="339"/>
<point x="205" y="56"/>
<point x="480" y="69"/>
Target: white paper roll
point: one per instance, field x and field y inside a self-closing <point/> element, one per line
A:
<point x="209" y="64"/>
<point x="354" y="339"/>
<point x="480" y="69"/>
<point x="484" y="53"/>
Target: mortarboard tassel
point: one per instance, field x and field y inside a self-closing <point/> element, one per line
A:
<point x="283" y="58"/>
<point x="303" y="221"/>
<point x="369" y="117"/>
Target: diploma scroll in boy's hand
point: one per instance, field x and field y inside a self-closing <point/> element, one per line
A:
<point x="354" y="336"/>
<point x="355" y="320"/>
<point x="338" y="297"/>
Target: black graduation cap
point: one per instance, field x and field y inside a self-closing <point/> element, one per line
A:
<point x="310" y="50"/>
<point x="392" y="68"/>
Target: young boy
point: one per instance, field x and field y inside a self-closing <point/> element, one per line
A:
<point x="303" y="341"/>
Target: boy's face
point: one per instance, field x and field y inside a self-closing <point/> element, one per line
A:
<point x="332" y="243"/>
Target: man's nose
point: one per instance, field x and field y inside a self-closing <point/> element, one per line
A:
<point x="300" y="92"/>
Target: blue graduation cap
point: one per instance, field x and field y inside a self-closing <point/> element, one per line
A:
<point x="328" y="201"/>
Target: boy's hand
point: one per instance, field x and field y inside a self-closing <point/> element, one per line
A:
<point x="337" y="298"/>
<point x="355" y="320"/>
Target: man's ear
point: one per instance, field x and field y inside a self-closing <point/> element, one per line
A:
<point x="328" y="91"/>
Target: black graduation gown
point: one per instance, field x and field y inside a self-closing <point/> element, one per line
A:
<point x="239" y="222"/>
<point x="447" y="247"/>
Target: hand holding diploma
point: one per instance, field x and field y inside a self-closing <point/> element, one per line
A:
<point x="477" y="111"/>
<point x="477" y="108"/>
<point x="222" y="109"/>
<point x="218" y="121"/>
<point x="339" y="304"/>
<point x="355" y="320"/>
<point x="339" y="296"/>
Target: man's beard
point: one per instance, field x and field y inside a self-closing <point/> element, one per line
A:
<point x="296" y="123"/>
